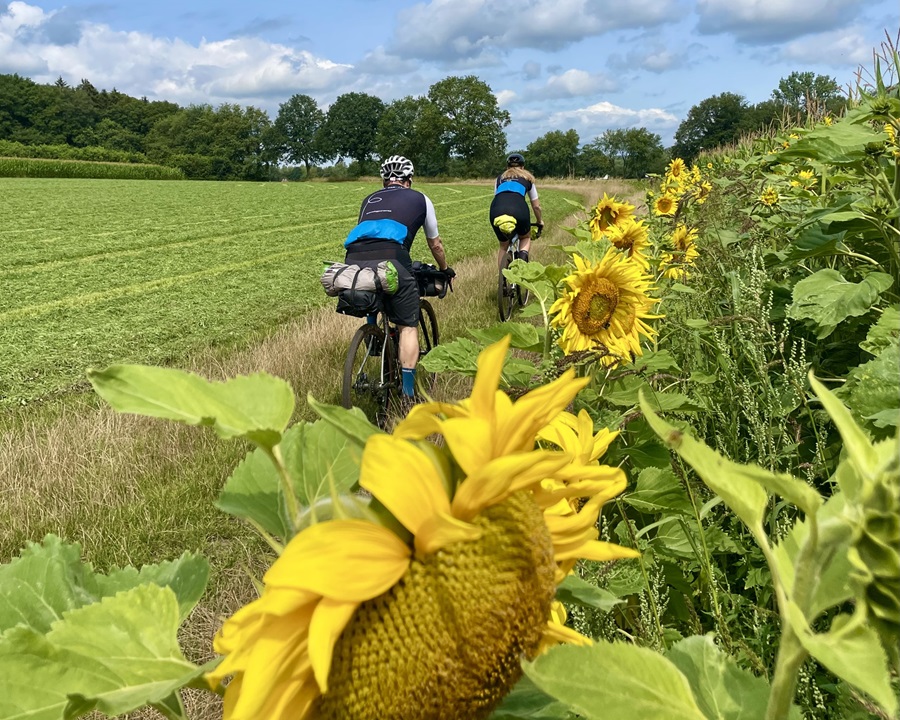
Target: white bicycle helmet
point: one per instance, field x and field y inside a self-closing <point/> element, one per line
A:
<point x="396" y="166"/>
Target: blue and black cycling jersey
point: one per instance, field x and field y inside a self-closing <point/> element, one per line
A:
<point x="394" y="214"/>
<point x="518" y="185"/>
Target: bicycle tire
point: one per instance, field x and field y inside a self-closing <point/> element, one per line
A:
<point x="363" y="379"/>
<point x="505" y="294"/>
<point x="429" y="337"/>
<point x="523" y="295"/>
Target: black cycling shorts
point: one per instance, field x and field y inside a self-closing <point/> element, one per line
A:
<point x="402" y="307"/>
<point x="510" y="203"/>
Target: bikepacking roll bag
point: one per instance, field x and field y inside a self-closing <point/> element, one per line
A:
<point x="432" y="282"/>
<point x="358" y="289"/>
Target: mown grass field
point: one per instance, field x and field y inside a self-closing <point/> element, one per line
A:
<point x="101" y="271"/>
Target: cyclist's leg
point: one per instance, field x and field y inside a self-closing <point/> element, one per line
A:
<point x="501" y="254"/>
<point x="523" y="228"/>
<point x="403" y="309"/>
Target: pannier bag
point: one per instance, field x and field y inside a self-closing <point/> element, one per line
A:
<point x="432" y="282"/>
<point x="358" y="289"/>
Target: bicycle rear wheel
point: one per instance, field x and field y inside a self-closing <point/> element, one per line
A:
<point x="505" y="293"/>
<point x="523" y="295"/>
<point x="428" y="339"/>
<point x="364" y="377"/>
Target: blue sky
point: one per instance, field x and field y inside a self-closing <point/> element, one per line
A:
<point x="590" y="65"/>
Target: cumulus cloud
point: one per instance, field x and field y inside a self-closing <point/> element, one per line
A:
<point x="142" y="64"/>
<point x="605" y="116"/>
<point x="577" y="83"/>
<point x="448" y="30"/>
<point x="837" y="48"/>
<point x="657" y="58"/>
<point x="505" y="98"/>
<point x="380" y="62"/>
<point x="774" y="21"/>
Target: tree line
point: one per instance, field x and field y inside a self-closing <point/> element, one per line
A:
<point x="456" y="129"/>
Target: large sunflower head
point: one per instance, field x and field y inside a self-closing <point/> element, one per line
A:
<point x="607" y="213"/>
<point x="431" y="619"/>
<point x="676" y="168"/>
<point x="603" y="306"/>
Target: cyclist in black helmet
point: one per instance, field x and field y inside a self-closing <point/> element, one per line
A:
<point x="388" y="222"/>
<point x="509" y="211"/>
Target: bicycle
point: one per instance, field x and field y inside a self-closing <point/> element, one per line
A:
<point x="372" y="378"/>
<point x="510" y="293"/>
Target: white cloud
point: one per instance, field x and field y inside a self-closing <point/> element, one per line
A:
<point x="141" y="64"/>
<point x="577" y="83"/>
<point x="773" y="21"/>
<point x="506" y="97"/>
<point x="837" y="48"/>
<point x="447" y="30"/>
<point x="604" y="116"/>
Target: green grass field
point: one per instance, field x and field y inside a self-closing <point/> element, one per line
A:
<point x="101" y="271"/>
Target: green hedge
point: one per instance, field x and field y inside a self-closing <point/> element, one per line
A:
<point x="41" y="168"/>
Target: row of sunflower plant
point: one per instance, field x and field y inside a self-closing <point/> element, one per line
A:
<point x="730" y="561"/>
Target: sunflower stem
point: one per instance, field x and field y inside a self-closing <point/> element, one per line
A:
<point x="287" y="487"/>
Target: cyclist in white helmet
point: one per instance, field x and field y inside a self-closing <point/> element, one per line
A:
<point x="388" y="222"/>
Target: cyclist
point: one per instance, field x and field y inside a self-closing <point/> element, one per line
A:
<point x="388" y="222"/>
<point x="509" y="211"/>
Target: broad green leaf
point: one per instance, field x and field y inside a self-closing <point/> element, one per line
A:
<point x="839" y="144"/>
<point x="326" y="463"/>
<point x="614" y="681"/>
<point x="49" y="579"/>
<point x="526" y="702"/>
<point x="852" y="651"/>
<point x="814" y="241"/>
<point x="724" y="691"/>
<point x="872" y="390"/>
<point x="659" y="491"/>
<point x="113" y="656"/>
<point x="625" y="393"/>
<point x="883" y="334"/>
<point x="651" y="362"/>
<point x="253" y="491"/>
<point x="257" y="407"/>
<point x="459" y="356"/>
<point x="353" y="423"/>
<point x="522" y="335"/>
<point x="827" y="299"/>
<point x="740" y="491"/>
<point x="575" y="591"/>
<point x="186" y="577"/>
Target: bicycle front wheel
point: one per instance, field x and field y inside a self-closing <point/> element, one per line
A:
<point x="505" y="294"/>
<point x="363" y="383"/>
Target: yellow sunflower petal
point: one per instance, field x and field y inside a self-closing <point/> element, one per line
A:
<point x="490" y="367"/>
<point x="599" y="551"/>
<point x="469" y="439"/>
<point x="371" y="559"/>
<point x="555" y="633"/>
<point x="328" y="622"/>
<point x="423" y="420"/>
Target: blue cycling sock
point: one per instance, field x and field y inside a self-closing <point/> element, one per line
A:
<point x="409" y="381"/>
<point x="371" y="318"/>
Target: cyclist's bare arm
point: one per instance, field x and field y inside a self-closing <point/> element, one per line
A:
<point x="437" y="251"/>
<point x="538" y="213"/>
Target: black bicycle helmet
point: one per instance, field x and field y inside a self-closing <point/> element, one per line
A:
<point x="515" y="160"/>
<point x="397" y="166"/>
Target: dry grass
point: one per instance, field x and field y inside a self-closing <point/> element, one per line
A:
<point x="134" y="490"/>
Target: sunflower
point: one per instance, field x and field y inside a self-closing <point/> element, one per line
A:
<point x="632" y="239"/>
<point x="769" y="197"/>
<point x="703" y="191"/>
<point x="428" y="613"/>
<point x="604" y="306"/>
<point x="607" y="213"/>
<point x="665" y="204"/>
<point x="675" y="168"/>
<point x="675" y="264"/>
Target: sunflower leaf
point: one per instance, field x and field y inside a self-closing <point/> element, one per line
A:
<point x="827" y="299"/>
<point x="614" y="681"/>
<point x="575" y="591"/>
<point x="257" y="407"/>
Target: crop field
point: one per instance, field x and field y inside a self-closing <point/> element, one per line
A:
<point x="98" y="271"/>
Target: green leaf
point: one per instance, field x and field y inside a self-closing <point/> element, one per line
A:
<point x="827" y="299"/>
<point x="257" y="407"/>
<point x="526" y="702"/>
<point x="114" y="656"/>
<point x="575" y="591"/>
<point x="459" y="356"/>
<point x="814" y="241"/>
<point x="614" y="681"/>
<point x="852" y="651"/>
<point x="522" y="335"/>
<point x="724" y="691"/>
<point x="49" y="579"/>
<point x="872" y="390"/>
<point x="839" y="144"/>
<point x="626" y="391"/>
<point x="659" y="491"/>
<point x="883" y="334"/>
<point x="326" y="462"/>
<point x="353" y="422"/>
<point x="856" y="443"/>
<point x="727" y="479"/>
